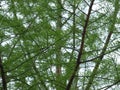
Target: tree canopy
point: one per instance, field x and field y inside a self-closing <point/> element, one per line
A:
<point x="59" y="44"/>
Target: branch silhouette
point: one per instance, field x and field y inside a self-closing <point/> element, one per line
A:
<point x="81" y="48"/>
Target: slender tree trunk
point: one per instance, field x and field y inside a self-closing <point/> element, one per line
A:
<point x="111" y="28"/>
<point x="58" y="46"/>
<point x="81" y="49"/>
<point x="74" y="86"/>
<point x="4" y="84"/>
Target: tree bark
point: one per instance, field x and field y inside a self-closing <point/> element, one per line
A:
<point x="3" y="75"/>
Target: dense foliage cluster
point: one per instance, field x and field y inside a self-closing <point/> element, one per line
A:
<point x="59" y="44"/>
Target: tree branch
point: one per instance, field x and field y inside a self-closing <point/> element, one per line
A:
<point x="81" y="48"/>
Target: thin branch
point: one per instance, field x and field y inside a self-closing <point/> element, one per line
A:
<point x="109" y="86"/>
<point x="111" y="28"/>
<point x="81" y="49"/>
<point x="100" y="55"/>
